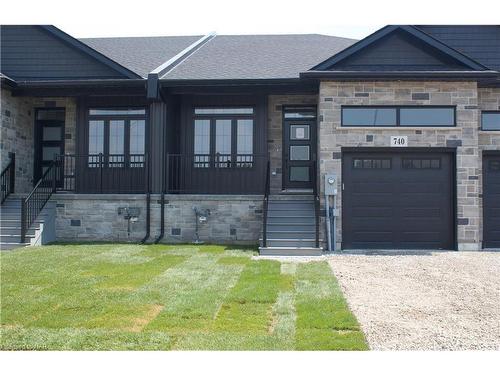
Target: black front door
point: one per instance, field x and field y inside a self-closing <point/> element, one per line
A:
<point x="299" y="153"/>
<point x="49" y="138"/>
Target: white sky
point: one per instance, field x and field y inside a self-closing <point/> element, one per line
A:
<point x="348" y="18"/>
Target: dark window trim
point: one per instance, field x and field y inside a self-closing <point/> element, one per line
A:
<point x="398" y="116"/>
<point x="126" y="118"/>
<point x="491" y="112"/>
<point x="212" y="164"/>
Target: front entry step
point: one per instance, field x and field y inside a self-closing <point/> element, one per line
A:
<point x="291" y="251"/>
<point x="290" y="228"/>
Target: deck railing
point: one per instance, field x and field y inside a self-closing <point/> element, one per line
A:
<point x="8" y="178"/>
<point x="103" y="174"/>
<point x="215" y="174"/>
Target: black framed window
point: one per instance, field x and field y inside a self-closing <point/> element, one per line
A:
<point x="414" y="116"/>
<point x="490" y="120"/>
<point x="224" y="137"/>
<point x="119" y="134"/>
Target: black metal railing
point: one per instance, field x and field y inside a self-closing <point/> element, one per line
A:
<point x="215" y="174"/>
<point x="8" y="178"/>
<point x="33" y="204"/>
<point x="316" y="199"/>
<point x="265" y="203"/>
<point x="103" y="174"/>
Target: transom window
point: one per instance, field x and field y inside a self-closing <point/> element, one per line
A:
<point x="223" y="137"/>
<point x="415" y="116"/>
<point x="490" y="120"/>
<point x="117" y="137"/>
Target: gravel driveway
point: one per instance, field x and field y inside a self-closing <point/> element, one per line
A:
<point x="436" y="301"/>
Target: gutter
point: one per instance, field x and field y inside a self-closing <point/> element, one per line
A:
<point x="70" y="83"/>
<point x="395" y="75"/>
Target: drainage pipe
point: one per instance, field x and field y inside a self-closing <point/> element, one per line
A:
<point x="328" y="224"/>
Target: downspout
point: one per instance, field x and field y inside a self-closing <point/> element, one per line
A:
<point x="148" y="202"/>
<point x="162" y="198"/>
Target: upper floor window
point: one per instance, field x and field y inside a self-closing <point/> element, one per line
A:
<point x="119" y="135"/>
<point x="490" y="120"/>
<point x="223" y="137"/>
<point x="415" y="116"/>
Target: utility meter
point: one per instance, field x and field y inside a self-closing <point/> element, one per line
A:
<point x="331" y="184"/>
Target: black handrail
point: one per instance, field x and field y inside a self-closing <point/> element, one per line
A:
<point x="265" y="204"/>
<point x="316" y="199"/>
<point x="8" y="178"/>
<point x="34" y="203"/>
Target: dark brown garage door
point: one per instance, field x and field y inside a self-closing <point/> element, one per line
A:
<point x="398" y="200"/>
<point x="491" y="201"/>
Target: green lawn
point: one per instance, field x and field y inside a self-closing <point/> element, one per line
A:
<point x="158" y="297"/>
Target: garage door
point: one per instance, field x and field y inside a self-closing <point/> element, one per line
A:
<point x="491" y="201"/>
<point x="398" y="200"/>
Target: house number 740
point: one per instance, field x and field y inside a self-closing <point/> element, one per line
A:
<point x="399" y="141"/>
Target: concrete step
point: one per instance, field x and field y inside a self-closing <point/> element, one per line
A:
<point x="285" y="242"/>
<point x="291" y="235"/>
<point x="16" y="230"/>
<point x="290" y="197"/>
<point x="11" y="245"/>
<point x="287" y="206"/>
<point x="294" y="227"/>
<point x="285" y="220"/>
<point x="12" y="238"/>
<point x="290" y="251"/>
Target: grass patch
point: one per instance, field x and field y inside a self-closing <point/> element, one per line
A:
<point x="159" y="297"/>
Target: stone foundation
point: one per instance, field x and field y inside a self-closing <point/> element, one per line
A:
<point x="232" y="219"/>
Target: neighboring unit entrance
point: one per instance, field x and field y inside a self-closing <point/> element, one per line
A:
<point x="491" y="201"/>
<point x="299" y="147"/>
<point x="398" y="200"/>
<point x="49" y="139"/>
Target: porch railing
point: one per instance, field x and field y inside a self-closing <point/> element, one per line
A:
<point x="215" y="174"/>
<point x="103" y="174"/>
<point x="8" y="178"/>
<point x="34" y="203"/>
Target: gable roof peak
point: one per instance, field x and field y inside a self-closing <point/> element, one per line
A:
<point x="409" y="30"/>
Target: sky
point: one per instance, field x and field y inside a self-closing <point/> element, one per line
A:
<point x="347" y="18"/>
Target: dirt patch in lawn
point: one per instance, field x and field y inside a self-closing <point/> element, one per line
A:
<point x="139" y="323"/>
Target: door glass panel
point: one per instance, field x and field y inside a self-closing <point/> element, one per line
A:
<point x="96" y="137"/>
<point x="50" y="152"/>
<point x="299" y="174"/>
<point x="299" y="152"/>
<point x="299" y="132"/>
<point x="51" y="133"/>
<point x="116" y="143"/>
<point x="223" y="142"/>
<point x="50" y="114"/>
<point x="202" y="143"/>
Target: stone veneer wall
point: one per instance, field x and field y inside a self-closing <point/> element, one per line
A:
<point x="275" y="132"/>
<point x="17" y="132"/>
<point x="17" y="136"/>
<point x="488" y="100"/>
<point x="332" y="137"/>
<point x="232" y="219"/>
